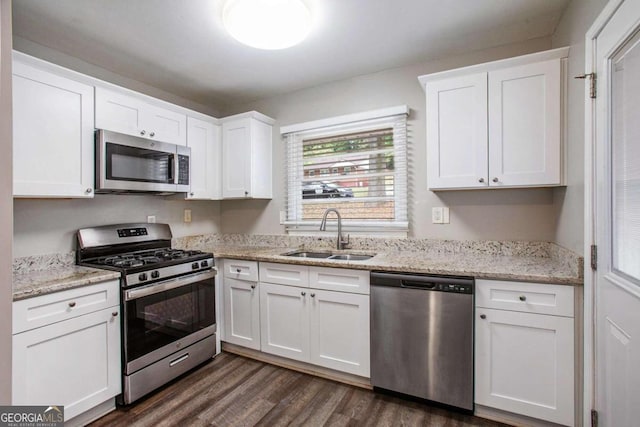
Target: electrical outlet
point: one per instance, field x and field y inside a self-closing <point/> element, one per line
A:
<point x="187" y="215"/>
<point x="151" y="219"/>
<point x="445" y="215"/>
<point x="436" y="215"/>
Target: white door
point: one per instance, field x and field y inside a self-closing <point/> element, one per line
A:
<point x="236" y="159"/>
<point x="524" y="125"/>
<point x="617" y="216"/>
<point x="284" y="321"/>
<point x="203" y="138"/>
<point x="242" y="313"/>
<point x="119" y="113"/>
<point x="457" y="132"/>
<point x="339" y="331"/>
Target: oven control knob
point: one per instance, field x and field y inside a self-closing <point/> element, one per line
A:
<point x="155" y="274"/>
<point x="204" y="264"/>
<point x="195" y="266"/>
<point x="142" y="277"/>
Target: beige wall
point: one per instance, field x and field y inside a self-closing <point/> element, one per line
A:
<point x="48" y="226"/>
<point x="569" y="201"/>
<point x="6" y="212"/>
<point x="527" y="214"/>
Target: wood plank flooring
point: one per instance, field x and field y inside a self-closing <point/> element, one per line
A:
<point x="235" y="391"/>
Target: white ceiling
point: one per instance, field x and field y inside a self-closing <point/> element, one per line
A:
<point x="181" y="47"/>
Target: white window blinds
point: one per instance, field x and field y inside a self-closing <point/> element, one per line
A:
<point x="359" y="168"/>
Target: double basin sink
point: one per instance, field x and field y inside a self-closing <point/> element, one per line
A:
<point x="328" y="255"/>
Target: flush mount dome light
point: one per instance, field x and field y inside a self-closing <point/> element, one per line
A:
<point x="267" y="24"/>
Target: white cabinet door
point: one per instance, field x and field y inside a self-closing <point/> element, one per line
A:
<point x="339" y="331"/>
<point x="75" y="363"/>
<point x="457" y="132"/>
<point x="284" y="321"/>
<point x="236" y="159"/>
<point x="53" y="141"/>
<point x="524" y="364"/>
<point x="525" y="125"/>
<point x="242" y="313"/>
<point x="120" y="112"/>
<point x="203" y="138"/>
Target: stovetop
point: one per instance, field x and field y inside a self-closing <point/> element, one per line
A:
<point x="153" y="258"/>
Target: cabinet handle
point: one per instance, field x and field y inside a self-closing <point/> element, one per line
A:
<point x="143" y="132"/>
<point x="495" y="179"/>
<point x="88" y="190"/>
<point x="303" y="293"/>
<point x="72" y="304"/>
<point x="253" y="286"/>
<point x="114" y="314"/>
<point x="522" y="298"/>
<point x="313" y="295"/>
<point x="481" y="180"/>
<point x="483" y="316"/>
<point x="152" y="134"/>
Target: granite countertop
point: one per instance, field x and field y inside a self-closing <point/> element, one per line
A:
<point x="482" y="266"/>
<point x="34" y="283"/>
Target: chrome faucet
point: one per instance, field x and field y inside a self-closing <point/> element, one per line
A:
<point x="341" y="244"/>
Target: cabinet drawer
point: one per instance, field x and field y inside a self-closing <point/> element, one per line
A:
<point x="526" y="297"/>
<point x="51" y="308"/>
<point x="339" y="279"/>
<point x="241" y="269"/>
<point x="284" y="274"/>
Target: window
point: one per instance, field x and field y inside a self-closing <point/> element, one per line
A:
<point x="372" y="200"/>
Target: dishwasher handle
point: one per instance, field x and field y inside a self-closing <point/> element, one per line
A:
<point x="423" y="282"/>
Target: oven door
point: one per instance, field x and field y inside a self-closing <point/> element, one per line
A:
<point x="129" y="163"/>
<point x="164" y="317"/>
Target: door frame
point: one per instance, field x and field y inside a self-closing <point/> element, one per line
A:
<point x="590" y="211"/>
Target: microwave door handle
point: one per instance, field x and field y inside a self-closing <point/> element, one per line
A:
<point x="172" y="168"/>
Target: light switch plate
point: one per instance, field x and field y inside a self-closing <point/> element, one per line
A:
<point x="436" y="215"/>
<point x="283" y="217"/>
<point x="445" y="215"/>
<point x="151" y="219"/>
<point x="187" y="215"/>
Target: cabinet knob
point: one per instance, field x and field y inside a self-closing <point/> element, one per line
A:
<point x="495" y="179"/>
<point x="253" y="286"/>
<point x="481" y="180"/>
<point x="143" y="132"/>
<point x="114" y="314"/>
<point x="483" y="316"/>
<point x="88" y="190"/>
<point x="303" y="293"/>
<point x="72" y="304"/>
<point x="522" y="298"/>
<point x="313" y="295"/>
<point x="238" y="270"/>
<point x="152" y="134"/>
<point x="246" y="193"/>
<point x="191" y="194"/>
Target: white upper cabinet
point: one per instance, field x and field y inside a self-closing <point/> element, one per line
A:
<point x="246" y="156"/>
<point x="137" y="115"/>
<point x="203" y="137"/>
<point x="52" y="131"/>
<point x="498" y="124"/>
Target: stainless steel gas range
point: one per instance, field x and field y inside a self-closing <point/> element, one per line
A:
<point x="167" y="298"/>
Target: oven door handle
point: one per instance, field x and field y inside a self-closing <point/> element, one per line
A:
<point x="166" y="285"/>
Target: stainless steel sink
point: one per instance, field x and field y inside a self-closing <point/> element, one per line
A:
<point x="328" y="255"/>
<point x="350" y="257"/>
<point x="308" y="254"/>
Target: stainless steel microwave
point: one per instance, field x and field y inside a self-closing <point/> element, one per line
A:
<point x="129" y="164"/>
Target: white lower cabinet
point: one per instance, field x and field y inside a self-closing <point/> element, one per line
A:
<point x="241" y="313"/>
<point x="524" y="361"/>
<point x="74" y="362"/>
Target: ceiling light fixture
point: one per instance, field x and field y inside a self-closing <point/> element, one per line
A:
<point x="267" y="24"/>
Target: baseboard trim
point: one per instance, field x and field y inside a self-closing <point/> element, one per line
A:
<point x="295" y="365"/>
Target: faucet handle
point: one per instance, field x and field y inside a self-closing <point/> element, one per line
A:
<point x="344" y="244"/>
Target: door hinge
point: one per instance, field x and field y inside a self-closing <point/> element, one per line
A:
<point x="594" y="418"/>
<point x="594" y="257"/>
<point x="592" y="82"/>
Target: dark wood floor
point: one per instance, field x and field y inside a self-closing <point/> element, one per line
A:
<point x="236" y="391"/>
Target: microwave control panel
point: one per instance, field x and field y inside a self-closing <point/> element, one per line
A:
<point x="183" y="170"/>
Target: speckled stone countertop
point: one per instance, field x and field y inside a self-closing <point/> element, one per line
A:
<point x="29" y="284"/>
<point x="485" y="266"/>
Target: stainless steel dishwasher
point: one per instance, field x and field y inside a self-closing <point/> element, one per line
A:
<point x="422" y="336"/>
